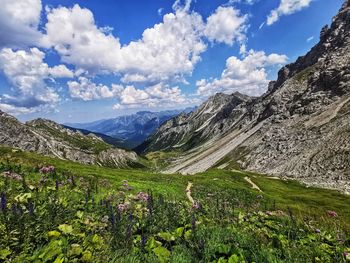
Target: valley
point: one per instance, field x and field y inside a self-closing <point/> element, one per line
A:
<point x="240" y="178"/>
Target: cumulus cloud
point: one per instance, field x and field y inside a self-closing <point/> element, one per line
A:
<point x="26" y="72"/>
<point x="19" y="22"/>
<point x="226" y="25"/>
<point x="87" y="90"/>
<point x="167" y="51"/>
<point x="128" y="96"/>
<point x="286" y="7"/>
<point x="247" y="75"/>
<point x="159" y="95"/>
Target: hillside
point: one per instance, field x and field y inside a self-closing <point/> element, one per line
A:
<point x="298" y="129"/>
<point x="49" y="138"/>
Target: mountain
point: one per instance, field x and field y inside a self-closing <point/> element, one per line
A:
<point x="107" y="139"/>
<point x="51" y="139"/>
<point x="189" y="130"/>
<point x="300" y="128"/>
<point x="130" y="130"/>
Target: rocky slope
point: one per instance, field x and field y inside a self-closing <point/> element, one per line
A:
<point x="130" y="130"/>
<point x="209" y="121"/>
<point x="49" y="138"/>
<point x="299" y="129"/>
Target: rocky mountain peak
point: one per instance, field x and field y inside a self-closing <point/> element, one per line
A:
<point x="334" y="41"/>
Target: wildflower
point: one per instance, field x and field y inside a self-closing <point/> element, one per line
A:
<point x="122" y="207"/>
<point x="269" y="213"/>
<point x="31" y="208"/>
<point x="13" y="176"/>
<point x="47" y="169"/>
<point x="196" y="205"/>
<point x="332" y="213"/>
<point x="3" y="202"/>
<point x="113" y="221"/>
<point x="259" y="197"/>
<point x="143" y="241"/>
<point x="142" y="196"/>
<point x="58" y="184"/>
<point x="318" y="231"/>
<point x="193" y="222"/>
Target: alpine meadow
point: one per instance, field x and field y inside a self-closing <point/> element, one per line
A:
<point x="181" y="132"/>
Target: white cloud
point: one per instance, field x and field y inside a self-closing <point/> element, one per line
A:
<point x="248" y="2"/>
<point x="87" y="90"/>
<point x="60" y="71"/>
<point x="247" y="75"/>
<point x="160" y="95"/>
<point x="286" y="7"/>
<point x="26" y="72"/>
<point x="226" y="25"/>
<point x="129" y="96"/>
<point x="167" y="51"/>
<point x="19" y="22"/>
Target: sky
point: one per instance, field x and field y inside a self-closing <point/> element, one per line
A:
<point x="85" y="60"/>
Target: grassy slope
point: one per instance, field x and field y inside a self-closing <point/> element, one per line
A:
<point x="304" y="201"/>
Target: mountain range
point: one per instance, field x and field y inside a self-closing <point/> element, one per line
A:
<point x="130" y="130"/>
<point x="49" y="138"/>
<point x="300" y="128"/>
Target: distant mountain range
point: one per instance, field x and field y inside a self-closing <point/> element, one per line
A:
<point x="130" y="130"/>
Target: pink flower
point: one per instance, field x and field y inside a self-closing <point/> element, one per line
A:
<point x="13" y="176"/>
<point x="142" y="196"/>
<point x="122" y="207"/>
<point x="47" y="169"/>
<point x="332" y="213"/>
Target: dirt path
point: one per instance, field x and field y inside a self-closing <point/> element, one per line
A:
<point x="211" y="156"/>
<point x="254" y="186"/>
<point x="189" y="192"/>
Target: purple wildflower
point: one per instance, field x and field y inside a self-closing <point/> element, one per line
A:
<point x="318" y="231"/>
<point x="31" y="208"/>
<point x="3" y="202"/>
<point x="47" y="169"/>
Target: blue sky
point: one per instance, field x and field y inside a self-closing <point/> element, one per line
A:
<point x="79" y="61"/>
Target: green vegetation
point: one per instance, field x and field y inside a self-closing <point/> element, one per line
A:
<point x="84" y="143"/>
<point x="304" y="74"/>
<point x="77" y="213"/>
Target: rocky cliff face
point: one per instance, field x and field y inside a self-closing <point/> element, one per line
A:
<point x="299" y="129"/>
<point x="209" y="121"/>
<point x="49" y="138"/>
